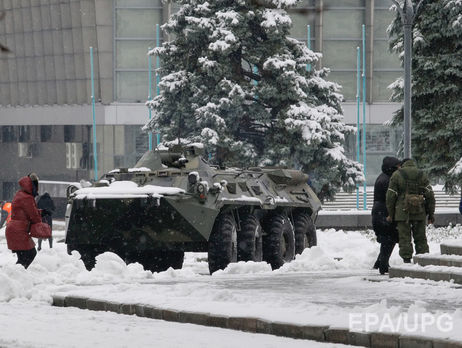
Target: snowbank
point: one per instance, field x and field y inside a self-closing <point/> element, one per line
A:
<point x="54" y="270"/>
<point x="296" y="293"/>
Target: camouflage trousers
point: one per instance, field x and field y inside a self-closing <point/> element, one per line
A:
<point x="416" y="229"/>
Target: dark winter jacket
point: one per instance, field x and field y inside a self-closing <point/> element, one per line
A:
<point x="48" y="207"/>
<point x="24" y="212"/>
<point x="383" y="229"/>
<point x="460" y="205"/>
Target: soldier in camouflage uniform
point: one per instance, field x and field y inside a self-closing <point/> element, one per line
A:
<point x="409" y="201"/>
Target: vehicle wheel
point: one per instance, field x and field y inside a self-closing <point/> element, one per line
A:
<point x="175" y="259"/>
<point x="305" y="232"/>
<point x="279" y="241"/>
<point x="87" y="253"/>
<point x="222" y="243"/>
<point x="159" y="260"/>
<point x="249" y="239"/>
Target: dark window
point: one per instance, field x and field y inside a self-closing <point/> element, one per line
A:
<point x="119" y="161"/>
<point x="9" y="134"/>
<point x="85" y="160"/>
<point x="45" y="133"/>
<point x="24" y="134"/>
<point x="69" y="134"/>
<point x="141" y="143"/>
<point x="9" y="189"/>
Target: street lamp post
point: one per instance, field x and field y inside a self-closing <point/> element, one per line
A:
<point x="408" y="13"/>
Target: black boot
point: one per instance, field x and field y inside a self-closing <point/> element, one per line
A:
<point x="383" y="269"/>
<point x="386" y="248"/>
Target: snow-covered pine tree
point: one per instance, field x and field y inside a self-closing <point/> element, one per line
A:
<point x="437" y="87"/>
<point x="234" y="79"/>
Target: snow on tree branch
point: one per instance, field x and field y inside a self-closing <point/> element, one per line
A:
<point x="234" y="79"/>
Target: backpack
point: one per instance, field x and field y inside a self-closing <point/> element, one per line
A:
<point x="414" y="200"/>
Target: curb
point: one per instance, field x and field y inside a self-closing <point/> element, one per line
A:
<point x="448" y="249"/>
<point x="360" y="220"/>
<point x="319" y="333"/>
<point x="437" y="261"/>
<point x="424" y="274"/>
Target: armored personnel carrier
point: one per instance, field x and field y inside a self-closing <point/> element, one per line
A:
<point x="174" y="201"/>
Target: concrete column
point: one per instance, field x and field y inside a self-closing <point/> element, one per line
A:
<point x="58" y="53"/>
<point x="319" y="4"/>
<point x="19" y="52"/>
<point x="80" y="92"/>
<point x="107" y="148"/>
<point x="166" y="13"/>
<point x="68" y="46"/>
<point x="39" y="52"/>
<point x="11" y="44"/>
<point x="4" y="88"/>
<point x="87" y="18"/>
<point x="104" y="33"/>
<point x="13" y="78"/>
<point x="130" y="147"/>
<point x="50" y="72"/>
<point x="369" y="48"/>
<point x="119" y="143"/>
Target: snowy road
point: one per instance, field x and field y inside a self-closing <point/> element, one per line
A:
<point x="302" y="298"/>
<point x="324" y="285"/>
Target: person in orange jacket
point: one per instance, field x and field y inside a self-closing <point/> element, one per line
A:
<point x="6" y="213"/>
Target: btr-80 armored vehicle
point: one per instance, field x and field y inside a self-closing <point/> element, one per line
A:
<point x="174" y="201"/>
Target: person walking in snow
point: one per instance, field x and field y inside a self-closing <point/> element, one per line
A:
<point x="386" y="232"/>
<point x="6" y="213"/>
<point x="460" y="204"/>
<point x="24" y="213"/>
<point x="410" y="200"/>
<point x="46" y="204"/>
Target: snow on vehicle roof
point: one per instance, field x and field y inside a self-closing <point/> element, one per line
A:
<point x="184" y="142"/>
<point x="126" y="189"/>
<point x="131" y="170"/>
<point x="197" y="145"/>
<point x="280" y="199"/>
<point x="243" y="198"/>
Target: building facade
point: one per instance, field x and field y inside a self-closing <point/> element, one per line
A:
<point x="45" y="95"/>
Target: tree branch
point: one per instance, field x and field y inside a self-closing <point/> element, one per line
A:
<point x="417" y="8"/>
<point x="400" y="10"/>
<point x="251" y="75"/>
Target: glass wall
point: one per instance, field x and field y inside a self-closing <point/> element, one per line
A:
<point x="342" y="21"/>
<point x="387" y="66"/>
<point x="381" y="141"/>
<point x="302" y="16"/>
<point x="134" y="33"/>
<point x="65" y="152"/>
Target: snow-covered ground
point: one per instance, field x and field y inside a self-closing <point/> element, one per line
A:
<point x="327" y="284"/>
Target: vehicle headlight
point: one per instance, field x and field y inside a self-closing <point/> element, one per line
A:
<point x="192" y="178"/>
<point x="201" y="188"/>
